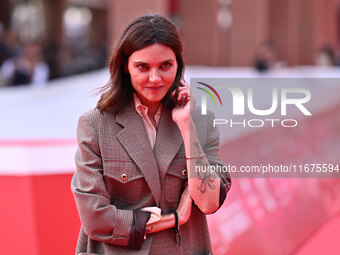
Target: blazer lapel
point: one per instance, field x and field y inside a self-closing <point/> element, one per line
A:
<point x="134" y="139"/>
<point x="168" y="141"/>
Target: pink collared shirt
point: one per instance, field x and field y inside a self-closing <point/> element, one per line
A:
<point x="143" y="112"/>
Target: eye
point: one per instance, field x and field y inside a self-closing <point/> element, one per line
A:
<point x="166" y="65"/>
<point x="142" y="67"/>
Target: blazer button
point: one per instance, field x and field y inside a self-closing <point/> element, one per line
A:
<point x="184" y="172"/>
<point x="123" y="177"/>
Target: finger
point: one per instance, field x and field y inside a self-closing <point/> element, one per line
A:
<point x="184" y="84"/>
<point x="182" y="94"/>
<point x="183" y="98"/>
<point x="183" y="88"/>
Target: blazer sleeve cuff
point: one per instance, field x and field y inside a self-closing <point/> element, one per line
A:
<point x="223" y="194"/>
<point x="137" y="232"/>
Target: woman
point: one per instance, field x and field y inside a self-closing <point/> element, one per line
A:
<point x="131" y="185"/>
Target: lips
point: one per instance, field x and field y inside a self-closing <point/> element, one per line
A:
<point x="155" y="88"/>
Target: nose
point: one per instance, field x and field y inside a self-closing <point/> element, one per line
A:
<point x="154" y="76"/>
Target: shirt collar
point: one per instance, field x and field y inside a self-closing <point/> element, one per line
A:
<point x="142" y="109"/>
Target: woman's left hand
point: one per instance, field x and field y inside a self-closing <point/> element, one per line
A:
<point x="182" y="113"/>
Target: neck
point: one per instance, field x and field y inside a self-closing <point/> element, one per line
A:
<point x="152" y="109"/>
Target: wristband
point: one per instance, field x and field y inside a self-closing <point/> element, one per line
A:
<point x="176" y="230"/>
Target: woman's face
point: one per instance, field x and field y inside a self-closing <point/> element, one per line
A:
<point x="152" y="71"/>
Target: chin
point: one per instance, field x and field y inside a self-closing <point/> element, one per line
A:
<point x="156" y="99"/>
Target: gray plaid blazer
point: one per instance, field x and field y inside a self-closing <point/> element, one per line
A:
<point x="117" y="171"/>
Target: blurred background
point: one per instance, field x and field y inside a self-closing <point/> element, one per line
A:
<point x="53" y="55"/>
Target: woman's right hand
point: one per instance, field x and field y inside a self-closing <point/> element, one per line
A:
<point x="184" y="207"/>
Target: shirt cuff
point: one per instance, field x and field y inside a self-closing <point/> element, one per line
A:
<point x="137" y="233"/>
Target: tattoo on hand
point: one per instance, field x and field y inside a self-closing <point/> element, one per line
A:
<point x="206" y="177"/>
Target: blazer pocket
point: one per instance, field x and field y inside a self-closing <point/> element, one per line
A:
<point x="124" y="181"/>
<point x="174" y="183"/>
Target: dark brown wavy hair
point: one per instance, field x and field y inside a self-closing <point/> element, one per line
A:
<point x="141" y="32"/>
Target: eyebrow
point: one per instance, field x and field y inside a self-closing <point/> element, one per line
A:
<point x="141" y="62"/>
